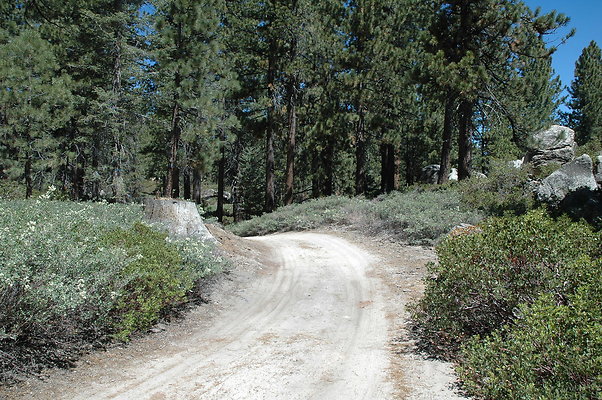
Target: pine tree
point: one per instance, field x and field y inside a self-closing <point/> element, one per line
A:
<point x="472" y="46"/>
<point x="586" y="96"/>
<point x="35" y="100"/>
<point x="365" y="25"/>
<point x="190" y="81"/>
<point x="94" y="44"/>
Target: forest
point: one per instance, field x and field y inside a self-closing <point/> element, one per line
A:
<point x="293" y="115"/>
<point x="274" y="102"/>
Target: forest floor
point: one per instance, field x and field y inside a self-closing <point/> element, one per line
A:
<point x="312" y="315"/>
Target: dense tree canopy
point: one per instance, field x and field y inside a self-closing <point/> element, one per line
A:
<point x="273" y="101"/>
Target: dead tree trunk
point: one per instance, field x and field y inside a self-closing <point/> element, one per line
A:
<point x="180" y="218"/>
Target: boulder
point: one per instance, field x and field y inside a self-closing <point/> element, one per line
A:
<point x="553" y="145"/>
<point x="211" y="193"/>
<point x="430" y="174"/>
<point x="180" y="218"/>
<point x="453" y="175"/>
<point x="516" y="163"/>
<point x="574" y="176"/>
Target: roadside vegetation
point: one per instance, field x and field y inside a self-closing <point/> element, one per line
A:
<point x="418" y="216"/>
<point x="516" y="303"/>
<point x="515" y="297"/>
<point x="78" y="275"/>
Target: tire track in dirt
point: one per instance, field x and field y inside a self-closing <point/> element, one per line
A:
<point x="310" y="323"/>
<point x="314" y="327"/>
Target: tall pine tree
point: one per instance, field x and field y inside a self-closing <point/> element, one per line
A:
<point x="586" y="96"/>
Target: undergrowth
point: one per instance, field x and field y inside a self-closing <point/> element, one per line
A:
<point x="418" y="216"/>
<point x="516" y="302"/>
<point x="75" y="275"/>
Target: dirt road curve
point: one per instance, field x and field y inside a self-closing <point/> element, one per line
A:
<point x="314" y="324"/>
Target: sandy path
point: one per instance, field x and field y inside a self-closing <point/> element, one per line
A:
<point x="314" y="324"/>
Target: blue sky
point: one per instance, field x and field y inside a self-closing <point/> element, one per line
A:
<point x="586" y="18"/>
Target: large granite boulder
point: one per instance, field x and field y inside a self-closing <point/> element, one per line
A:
<point x="180" y="218"/>
<point x="553" y="145"/>
<point x="576" y="175"/>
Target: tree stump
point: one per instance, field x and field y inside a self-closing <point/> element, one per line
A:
<point x="180" y="218"/>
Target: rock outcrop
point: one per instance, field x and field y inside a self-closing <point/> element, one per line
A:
<point x="571" y="177"/>
<point x="180" y="218"/>
<point x="553" y="145"/>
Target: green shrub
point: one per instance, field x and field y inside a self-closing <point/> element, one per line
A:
<point x="552" y="351"/>
<point x="593" y="149"/>
<point x="308" y="215"/>
<point x="418" y="216"/>
<point x="154" y="277"/>
<point x="504" y="190"/>
<point x="482" y="278"/>
<point x="72" y="274"/>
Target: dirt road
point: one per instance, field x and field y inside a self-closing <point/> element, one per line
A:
<point x="317" y="321"/>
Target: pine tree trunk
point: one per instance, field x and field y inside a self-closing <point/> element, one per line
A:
<point x="186" y="177"/>
<point x="409" y="161"/>
<point x="196" y="185"/>
<point x="170" y="185"/>
<point x="397" y="168"/>
<point x="384" y="163"/>
<point x="176" y="182"/>
<point x="290" y="151"/>
<point x="328" y="165"/>
<point x="220" y="181"/>
<point x="466" y="106"/>
<point x="387" y="174"/>
<point x="448" y="125"/>
<point x="360" y="156"/>
<point x="270" y="199"/>
<point x="465" y="140"/>
<point x="28" y="180"/>
<point x="236" y="211"/>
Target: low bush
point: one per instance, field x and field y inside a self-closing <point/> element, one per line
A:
<point x="153" y="279"/>
<point x="504" y="190"/>
<point x="308" y="215"/>
<point x="418" y="216"/>
<point x="483" y="277"/>
<point x="78" y="274"/>
<point x="553" y="350"/>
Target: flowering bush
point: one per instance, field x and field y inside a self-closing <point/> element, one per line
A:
<point x="75" y="273"/>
